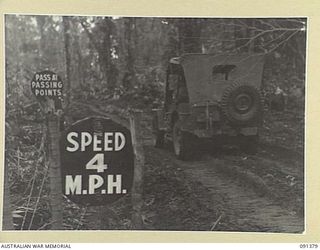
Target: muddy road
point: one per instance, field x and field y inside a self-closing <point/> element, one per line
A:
<point x="247" y="199"/>
<point x="230" y="190"/>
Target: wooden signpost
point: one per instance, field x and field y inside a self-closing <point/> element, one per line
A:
<point x="47" y="87"/>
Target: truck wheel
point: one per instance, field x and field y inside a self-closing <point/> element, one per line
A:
<point x="242" y="103"/>
<point x="181" y="143"/>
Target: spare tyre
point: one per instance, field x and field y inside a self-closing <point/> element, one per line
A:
<point x="241" y="103"/>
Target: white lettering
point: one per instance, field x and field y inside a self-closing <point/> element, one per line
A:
<point x="119" y="138"/>
<point x="107" y="141"/>
<point x="73" y="142"/>
<point x="110" y="141"/>
<point x="86" y="140"/>
<point x="95" y="181"/>
<point x="114" y="184"/>
<point x="97" y="163"/>
<point x="96" y="143"/>
<point x="73" y="185"/>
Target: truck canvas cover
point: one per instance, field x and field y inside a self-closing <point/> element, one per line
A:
<point x="207" y="75"/>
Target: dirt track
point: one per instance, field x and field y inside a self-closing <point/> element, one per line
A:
<point x="260" y="193"/>
<point x="244" y="203"/>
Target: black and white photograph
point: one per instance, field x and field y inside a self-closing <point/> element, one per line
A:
<point x="154" y="123"/>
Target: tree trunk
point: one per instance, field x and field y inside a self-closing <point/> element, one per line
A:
<point x="136" y="135"/>
<point x="129" y="76"/>
<point x="42" y="44"/>
<point x="78" y="70"/>
<point x="189" y="30"/>
<point x="110" y="72"/>
<point x="228" y="43"/>
<point x="241" y="36"/>
<point x="66" y="28"/>
<point x="251" y="33"/>
<point x="107" y="70"/>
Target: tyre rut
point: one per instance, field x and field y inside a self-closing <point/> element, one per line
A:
<point x="242" y="204"/>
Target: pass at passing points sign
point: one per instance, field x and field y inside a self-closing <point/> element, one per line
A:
<point x="47" y="84"/>
<point x="96" y="161"/>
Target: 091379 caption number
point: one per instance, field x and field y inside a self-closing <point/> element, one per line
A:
<point x="309" y="245"/>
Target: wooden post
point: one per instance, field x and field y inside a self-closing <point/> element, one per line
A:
<point x="52" y="108"/>
<point x="136" y="194"/>
<point x="54" y="172"/>
<point x="7" y="221"/>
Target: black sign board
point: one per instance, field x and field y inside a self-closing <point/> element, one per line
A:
<point x="47" y="84"/>
<point x="96" y="161"/>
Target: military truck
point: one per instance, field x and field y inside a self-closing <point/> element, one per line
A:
<point x="216" y="97"/>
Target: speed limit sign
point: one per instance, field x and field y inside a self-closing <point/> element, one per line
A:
<point x="97" y="161"/>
